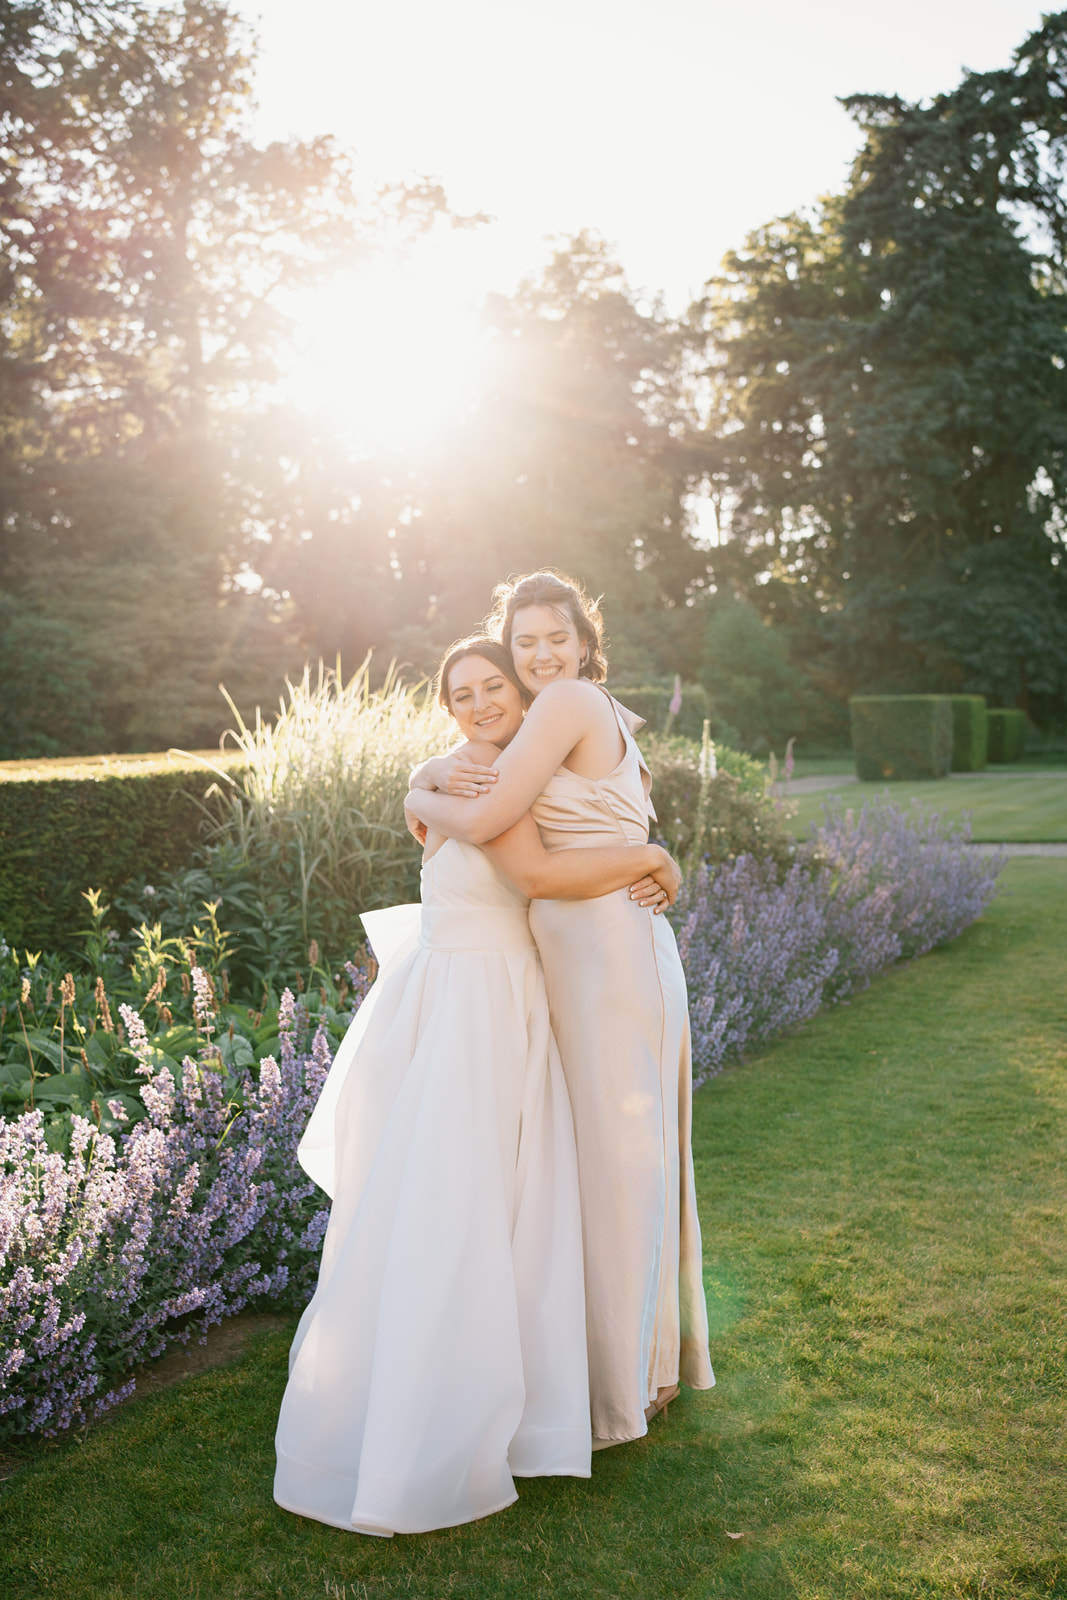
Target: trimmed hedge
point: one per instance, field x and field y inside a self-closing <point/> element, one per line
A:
<point x="66" y="827"/>
<point x="1007" y="735"/>
<point x="653" y="703"/>
<point x="901" y="736"/>
<point x="970" y="732"/>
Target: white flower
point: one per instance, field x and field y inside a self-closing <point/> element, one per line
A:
<point x="149" y="891"/>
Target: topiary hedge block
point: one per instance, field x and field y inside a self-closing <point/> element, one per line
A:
<point x="1007" y="735"/>
<point x="970" y="732"/>
<point x="67" y="827"/>
<point x="653" y="703"/>
<point x="901" y="736"/>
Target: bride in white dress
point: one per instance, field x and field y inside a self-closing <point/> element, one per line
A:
<point x="443" y="1354"/>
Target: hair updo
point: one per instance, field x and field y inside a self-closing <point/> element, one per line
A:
<point x="567" y="599"/>
<point x="478" y="644"/>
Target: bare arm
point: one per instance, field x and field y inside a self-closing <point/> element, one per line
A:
<point x="582" y="874"/>
<point x="454" y="774"/>
<point x="561" y="717"/>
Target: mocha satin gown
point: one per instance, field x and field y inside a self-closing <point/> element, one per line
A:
<point x="443" y="1354"/>
<point x="619" y="1009"/>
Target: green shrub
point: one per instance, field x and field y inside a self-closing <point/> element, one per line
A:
<point x="1007" y="735"/>
<point x="66" y="827"/>
<point x="653" y="703"/>
<point x="740" y="819"/>
<point x="970" y="732"/>
<point x="901" y="736"/>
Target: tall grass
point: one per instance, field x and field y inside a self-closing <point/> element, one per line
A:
<point x="319" y="800"/>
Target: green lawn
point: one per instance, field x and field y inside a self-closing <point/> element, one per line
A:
<point x="883" y="1198"/>
<point x="1003" y="808"/>
<point x="827" y="765"/>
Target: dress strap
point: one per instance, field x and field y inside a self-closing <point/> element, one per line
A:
<point x="629" y="723"/>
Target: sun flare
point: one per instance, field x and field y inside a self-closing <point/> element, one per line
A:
<point x="390" y="352"/>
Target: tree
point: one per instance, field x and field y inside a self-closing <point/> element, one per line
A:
<point x="146" y="243"/>
<point x="571" y="455"/>
<point x="890" y="386"/>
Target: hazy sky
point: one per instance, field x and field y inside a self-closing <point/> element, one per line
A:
<point x="671" y="127"/>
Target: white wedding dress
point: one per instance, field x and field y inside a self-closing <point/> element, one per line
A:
<point x="444" y="1352"/>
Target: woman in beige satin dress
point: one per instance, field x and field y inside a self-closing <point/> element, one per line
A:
<point x="617" y="998"/>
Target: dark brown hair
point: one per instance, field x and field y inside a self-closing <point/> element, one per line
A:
<point x="567" y="599"/>
<point x="479" y="644"/>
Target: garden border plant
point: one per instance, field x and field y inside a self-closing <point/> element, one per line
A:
<point x="209" y="1176"/>
<point x="112" y="1252"/>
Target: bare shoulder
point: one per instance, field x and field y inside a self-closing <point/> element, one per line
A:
<point x="573" y="697"/>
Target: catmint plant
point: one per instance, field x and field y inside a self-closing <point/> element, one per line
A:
<point x="763" y="951"/>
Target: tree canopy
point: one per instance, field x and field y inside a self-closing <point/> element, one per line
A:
<point x="145" y="243"/>
<point x="890" y="395"/>
<point x="873" y="398"/>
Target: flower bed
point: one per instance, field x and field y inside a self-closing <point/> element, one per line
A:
<point x="762" y="954"/>
<point x="123" y="1247"/>
<point x="114" y="1244"/>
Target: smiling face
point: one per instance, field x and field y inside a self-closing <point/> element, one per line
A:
<point x="545" y="646"/>
<point x="484" y="701"/>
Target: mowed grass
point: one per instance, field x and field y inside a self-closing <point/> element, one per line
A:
<point x="1003" y="808"/>
<point x="883" y="1203"/>
<point x="825" y="766"/>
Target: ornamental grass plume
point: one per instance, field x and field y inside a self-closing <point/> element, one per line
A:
<point x="319" y="798"/>
<point x="124" y="1246"/>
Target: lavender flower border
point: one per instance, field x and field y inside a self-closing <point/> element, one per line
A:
<point x="111" y="1254"/>
<point x="115" y="1252"/>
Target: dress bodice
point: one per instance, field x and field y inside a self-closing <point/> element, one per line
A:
<point x="573" y="810"/>
<point x="467" y="904"/>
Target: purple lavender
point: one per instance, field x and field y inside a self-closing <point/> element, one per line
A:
<point x="763" y="953"/>
<point x="130" y="1242"/>
<point x="110" y="1254"/>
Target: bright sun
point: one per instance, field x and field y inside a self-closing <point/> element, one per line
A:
<point x="389" y="352"/>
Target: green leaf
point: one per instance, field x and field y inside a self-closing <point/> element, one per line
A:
<point x="66" y="1087"/>
<point x="236" y="1052"/>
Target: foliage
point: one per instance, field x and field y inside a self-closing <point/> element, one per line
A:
<point x="717" y="815"/>
<point x="857" y="1182"/>
<point x="316" y="815"/>
<point x="146" y="247"/>
<point x="63" y="1049"/>
<point x="760" y="696"/>
<point x="763" y="952"/>
<point x="569" y="454"/>
<point x="653" y="703"/>
<point x="890" y="396"/>
<point x="64" y="830"/>
<point x="120" y="1247"/>
<point x="1007" y="735"/>
<point x="901" y="736"/>
<point x="970" y="733"/>
<point x="106" y="1247"/>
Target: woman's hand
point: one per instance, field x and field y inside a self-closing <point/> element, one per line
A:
<point x="659" y="888"/>
<point x="416" y="827"/>
<point x="455" y="774"/>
